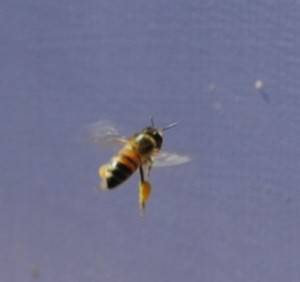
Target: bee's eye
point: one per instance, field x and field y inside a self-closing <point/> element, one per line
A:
<point x="158" y="139"/>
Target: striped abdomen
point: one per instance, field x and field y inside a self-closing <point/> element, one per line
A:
<point x="120" y="168"/>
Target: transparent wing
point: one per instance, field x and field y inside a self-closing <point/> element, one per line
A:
<point x="169" y="159"/>
<point x="103" y="133"/>
<point x="147" y="168"/>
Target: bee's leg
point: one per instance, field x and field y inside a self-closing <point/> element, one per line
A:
<point x="142" y="174"/>
<point x="144" y="191"/>
<point x="148" y="166"/>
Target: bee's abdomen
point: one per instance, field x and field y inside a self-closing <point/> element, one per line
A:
<point x="119" y="169"/>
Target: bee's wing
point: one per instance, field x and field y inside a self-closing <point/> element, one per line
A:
<point x="103" y="133"/>
<point x="169" y="159"/>
<point x="147" y="168"/>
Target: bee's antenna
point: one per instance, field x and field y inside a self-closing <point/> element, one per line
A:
<point x="169" y="126"/>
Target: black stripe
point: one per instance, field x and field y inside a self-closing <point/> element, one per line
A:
<point x="119" y="174"/>
<point x="122" y="171"/>
<point x="113" y="182"/>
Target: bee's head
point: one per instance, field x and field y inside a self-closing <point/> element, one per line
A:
<point x="157" y="134"/>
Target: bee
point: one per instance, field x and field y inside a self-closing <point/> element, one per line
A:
<point x="138" y="152"/>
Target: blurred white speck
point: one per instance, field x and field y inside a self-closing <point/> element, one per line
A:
<point x="219" y="107"/>
<point x="259" y="84"/>
<point x="211" y="88"/>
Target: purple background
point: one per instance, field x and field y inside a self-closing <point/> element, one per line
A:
<point x="232" y="214"/>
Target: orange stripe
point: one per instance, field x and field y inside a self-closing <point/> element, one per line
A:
<point x="130" y="158"/>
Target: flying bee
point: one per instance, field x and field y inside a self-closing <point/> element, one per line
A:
<point x="138" y="152"/>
